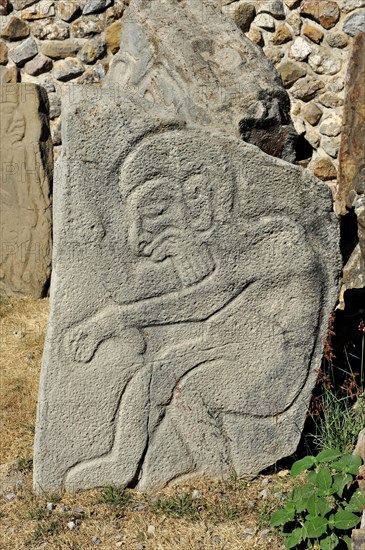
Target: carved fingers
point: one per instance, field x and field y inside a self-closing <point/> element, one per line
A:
<point x="83" y="343"/>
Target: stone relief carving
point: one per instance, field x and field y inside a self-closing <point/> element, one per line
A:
<point x="25" y="194"/>
<point x="186" y="218"/>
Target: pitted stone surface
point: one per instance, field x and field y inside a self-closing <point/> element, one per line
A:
<point x="26" y="177"/>
<point x="208" y="72"/>
<point x="191" y="287"/>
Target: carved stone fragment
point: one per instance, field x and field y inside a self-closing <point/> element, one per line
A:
<point x="26" y="177"/>
<point x="192" y="281"/>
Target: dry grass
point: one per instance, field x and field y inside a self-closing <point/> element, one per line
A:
<point x="230" y="515"/>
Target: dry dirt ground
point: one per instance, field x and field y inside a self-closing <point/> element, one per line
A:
<point x="229" y="515"/>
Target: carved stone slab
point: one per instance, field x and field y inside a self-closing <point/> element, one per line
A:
<point x="191" y="287"/>
<point x="26" y="164"/>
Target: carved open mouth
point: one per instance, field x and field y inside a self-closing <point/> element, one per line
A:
<point x="162" y="246"/>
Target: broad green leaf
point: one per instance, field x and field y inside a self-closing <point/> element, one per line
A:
<point x="300" y="465"/>
<point x="339" y="483"/>
<point x="328" y="455"/>
<point x="347" y="540"/>
<point x="324" y="479"/>
<point x="280" y="517"/>
<point x="312" y="477"/>
<point x="345" y="520"/>
<point x="357" y="502"/>
<point x="349" y="464"/>
<point x="318" y="506"/>
<point x="290" y="507"/>
<point x="315" y="527"/>
<point x="295" y="537"/>
<point x="329" y="543"/>
<point x="301" y="495"/>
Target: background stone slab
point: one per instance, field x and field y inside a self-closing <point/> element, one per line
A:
<point x="26" y="180"/>
<point x="194" y="60"/>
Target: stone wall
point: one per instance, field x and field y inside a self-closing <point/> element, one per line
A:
<point x="55" y="43"/>
<point x="309" y="42"/>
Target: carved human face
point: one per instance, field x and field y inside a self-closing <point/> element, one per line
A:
<point x="13" y="123"/>
<point x="158" y="222"/>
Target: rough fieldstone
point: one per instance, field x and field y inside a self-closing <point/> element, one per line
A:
<point x="54" y="105"/>
<point x="21" y="4"/>
<point x="331" y="100"/>
<point x="57" y="49"/>
<point x="360" y="445"/>
<point x="324" y="169"/>
<point x="265" y="21"/>
<point x="94" y="75"/>
<point x="295" y="21"/>
<point x="300" y="49"/>
<point x="325" y="12"/>
<point x="112" y="36"/>
<point x="114" y="12"/>
<point x="41" y="10"/>
<point x="295" y="107"/>
<point x="4" y="7"/>
<point x="358" y="539"/>
<point x="67" y="9"/>
<point x="325" y="62"/>
<point x="313" y="138"/>
<point x="92" y="50"/>
<point x="292" y="3"/>
<point x="275" y="54"/>
<point x="25" y="51"/>
<point x="56" y="132"/>
<point x="243" y="16"/>
<point x="84" y="27"/>
<point x="314" y="34"/>
<point x="337" y="40"/>
<point x="353" y="130"/>
<point x="9" y="74"/>
<point x="331" y="126"/>
<point x="336" y="84"/>
<point x="14" y="29"/>
<point x="290" y="72"/>
<point x="40" y="64"/>
<point x="255" y="36"/>
<point x="25" y="206"/>
<point x="355" y="24"/>
<point x="306" y="88"/>
<point x="282" y="35"/>
<point x="67" y="69"/>
<point x="299" y="125"/>
<point x="273" y="7"/>
<point x="330" y="146"/>
<point x="3" y="53"/>
<point x="349" y="5"/>
<point x="47" y="83"/>
<point x="171" y="349"/>
<point x="311" y="113"/>
<point x="53" y="31"/>
<point x="95" y="6"/>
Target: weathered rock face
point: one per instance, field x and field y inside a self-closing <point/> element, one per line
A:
<point x="191" y="287"/>
<point x="351" y="182"/>
<point x="26" y="176"/>
<point x="208" y="72"/>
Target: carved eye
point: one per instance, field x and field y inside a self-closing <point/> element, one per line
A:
<point x="155" y="210"/>
<point x="193" y="188"/>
